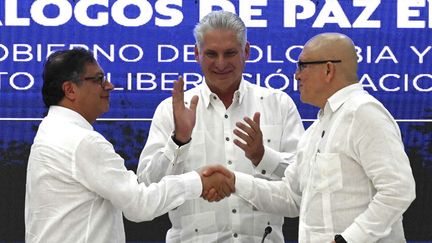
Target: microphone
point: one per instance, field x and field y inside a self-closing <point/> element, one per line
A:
<point x="267" y="231"/>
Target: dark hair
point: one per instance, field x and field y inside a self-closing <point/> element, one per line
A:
<point x="61" y="66"/>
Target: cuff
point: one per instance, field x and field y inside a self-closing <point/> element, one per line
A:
<point x="269" y="162"/>
<point x="193" y="185"/>
<point x="176" y="154"/>
<point x="354" y="234"/>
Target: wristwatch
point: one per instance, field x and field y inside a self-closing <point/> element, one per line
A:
<point x="177" y="141"/>
<point x="339" y="239"/>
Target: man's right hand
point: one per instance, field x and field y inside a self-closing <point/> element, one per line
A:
<point x="218" y="182"/>
<point x="184" y="117"/>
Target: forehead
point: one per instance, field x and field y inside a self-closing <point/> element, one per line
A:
<point x="219" y="39"/>
<point x="309" y="54"/>
<point x="92" y="68"/>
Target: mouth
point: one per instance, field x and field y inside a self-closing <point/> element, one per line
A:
<point x="222" y="72"/>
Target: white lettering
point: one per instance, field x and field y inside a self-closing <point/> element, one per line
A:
<point x="420" y="54"/>
<point x="174" y="56"/>
<point x="404" y="13"/>
<point x="81" y="16"/>
<point x="331" y="12"/>
<point x="13" y="84"/>
<point x="363" y="19"/>
<point x="64" y="7"/>
<point x="206" y="6"/>
<point x="176" y="16"/>
<point x="246" y="12"/>
<point x="290" y="11"/>
<point x="11" y="15"/>
<point x="118" y="12"/>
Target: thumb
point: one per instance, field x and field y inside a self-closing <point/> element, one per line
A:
<point x="194" y="103"/>
<point x="224" y="171"/>
<point x="210" y="170"/>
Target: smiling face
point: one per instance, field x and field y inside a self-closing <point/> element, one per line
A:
<point x="222" y="60"/>
<point x="92" y="98"/>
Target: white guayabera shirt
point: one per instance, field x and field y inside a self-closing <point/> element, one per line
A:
<point x="351" y="176"/>
<point x="78" y="187"/>
<point x="232" y="219"/>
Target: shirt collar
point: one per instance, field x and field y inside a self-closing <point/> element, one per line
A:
<point x="63" y="113"/>
<point x="338" y="99"/>
<point x="208" y="95"/>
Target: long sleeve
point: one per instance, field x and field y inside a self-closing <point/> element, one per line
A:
<point x="379" y="148"/>
<point x="277" y="197"/>
<point x="102" y="171"/>
<point x="161" y="156"/>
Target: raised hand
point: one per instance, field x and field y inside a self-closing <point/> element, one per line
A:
<point x="252" y="138"/>
<point x="218" y="182"/>
<point x="184" y="117"/>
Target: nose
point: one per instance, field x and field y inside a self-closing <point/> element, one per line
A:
<point x="220" y="62"/>
<point x="108" y="86"/>
<point x="297" y="74"/>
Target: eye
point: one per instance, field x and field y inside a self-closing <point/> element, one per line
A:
<point x="230" y="53"/>
<point x="210" y="54"/>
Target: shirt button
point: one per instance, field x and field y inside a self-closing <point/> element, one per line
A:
<point x="235" y="235"/>
<point x="214" y="97"/>
<point x="263" y="172"/>
<point x="268" y="140"/>
<point x="229" y="162"/>
<point x="226" y="116"/>
<point x="234" y="210"/>
<point x="227" y="138"/>
<point x="322" y="134"/>
<point x="196" y="230"/>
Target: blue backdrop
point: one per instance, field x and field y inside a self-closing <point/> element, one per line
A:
<point x="143" y="45"/>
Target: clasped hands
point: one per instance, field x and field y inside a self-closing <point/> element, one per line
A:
<point x="218" y="182"/>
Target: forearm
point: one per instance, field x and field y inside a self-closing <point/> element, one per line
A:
<point x="158" y="160"/>
<point x="269" y="196"/>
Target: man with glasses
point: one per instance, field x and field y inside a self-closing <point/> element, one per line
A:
<point x="77" y="185"/>
<point x="352" y="180"/>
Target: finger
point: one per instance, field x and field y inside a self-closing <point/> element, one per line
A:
<point x="256" y="118"/>
<point x="224" y="171"/>
<point x="254" y="127"/>
<point x="245" y="137"/>
<point x="209" y="170"/>
<point x="246" y="129"/>
<point x="178" y="94"/>
<point x="194" y="103"/>
<point x="225" y="189"/>
<point x="213" y="195"/>
<point x="243" y="146"/>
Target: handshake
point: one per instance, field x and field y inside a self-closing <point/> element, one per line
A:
<point x="217" y="181"/>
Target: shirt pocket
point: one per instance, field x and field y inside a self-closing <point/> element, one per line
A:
<point x="328" y="173"/>
<point x="199" y="228"/>
<point x="272" y="136"/>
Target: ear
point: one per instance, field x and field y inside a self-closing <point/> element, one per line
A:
<point x="247" y="50"/>
<point x="197" y="58"/>
<point x="330" y="71"/>
<point x="69" y="89"/>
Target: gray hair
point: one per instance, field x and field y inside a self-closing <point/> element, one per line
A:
<point x="220" y="20"/>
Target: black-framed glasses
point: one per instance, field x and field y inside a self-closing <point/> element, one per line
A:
<point x="302" y="65"/>
<point x="99" y="79"/>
